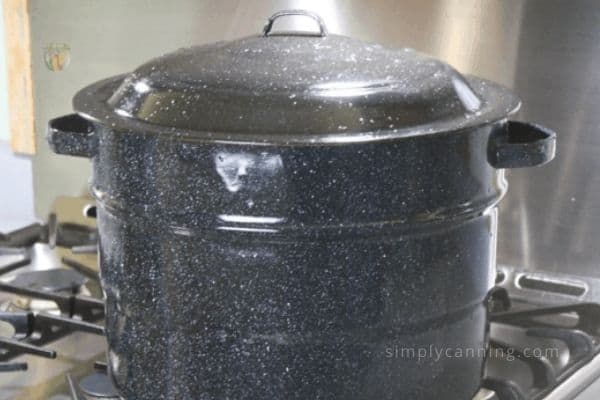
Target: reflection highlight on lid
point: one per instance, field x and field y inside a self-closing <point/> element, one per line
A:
<point x="465" y="94"/>
<point x="352" y="88"/>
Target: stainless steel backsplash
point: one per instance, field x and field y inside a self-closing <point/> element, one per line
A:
<point x="548" y="51"/>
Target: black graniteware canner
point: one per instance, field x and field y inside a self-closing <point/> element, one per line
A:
<point x="286" y="216"/>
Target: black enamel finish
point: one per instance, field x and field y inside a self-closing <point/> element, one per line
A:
<point x="287" y="272"/>
<point x="525" y="145"/>
<point x="280" y="235"/>
<point x="73" y="134"/>
<point x="227" y="317"/>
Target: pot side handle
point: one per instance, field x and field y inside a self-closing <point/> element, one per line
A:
<point x="72" y="135"/>
<point x="521" y="144"/>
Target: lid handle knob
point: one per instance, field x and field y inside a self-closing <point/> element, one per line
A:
<point x="269" y="25"/>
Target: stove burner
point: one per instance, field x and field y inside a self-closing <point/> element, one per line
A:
<point x="55" y="280"/>
<point x="98" y="386"/>
<point x="95" y="386"/>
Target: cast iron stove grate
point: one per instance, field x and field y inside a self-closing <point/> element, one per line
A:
<point x="35" y="329"/>
<point x="547" y="344"/>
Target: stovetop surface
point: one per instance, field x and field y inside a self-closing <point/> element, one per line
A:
<point x="43" y="268"/>
<point x="544" y="332"/>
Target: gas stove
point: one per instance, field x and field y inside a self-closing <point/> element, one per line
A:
<point x="544" y="327"/>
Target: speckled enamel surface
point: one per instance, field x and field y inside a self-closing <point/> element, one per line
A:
<point x="252" y="272"/>
<point x="229" y="317"/>
<point x="281" y="236"/>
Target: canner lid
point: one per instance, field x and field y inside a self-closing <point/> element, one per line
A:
<point x="285" y="88"/>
